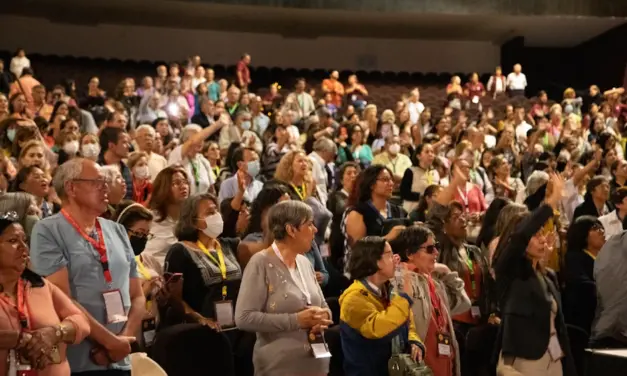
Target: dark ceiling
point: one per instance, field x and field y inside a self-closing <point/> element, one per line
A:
<point x="539" y="31"/>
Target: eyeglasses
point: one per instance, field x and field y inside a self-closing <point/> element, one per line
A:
<point x="141" y="234"/>
<point x="99" y="183"/>
<point x="598" y="227"/>
<point x="385" y="180"/>
<point x="431" y="249"/>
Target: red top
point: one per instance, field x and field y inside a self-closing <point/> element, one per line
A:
<point x="242" y="68"/>
<point x="440" y="365"/>
<point x="472" y="199"/>
<point x="475" y="89"/>
<point x="141" y="191"/>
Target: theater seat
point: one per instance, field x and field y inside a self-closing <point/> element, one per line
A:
<point x="192" y="349"/>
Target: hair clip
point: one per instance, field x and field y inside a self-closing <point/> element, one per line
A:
<point x="9" y="216"/>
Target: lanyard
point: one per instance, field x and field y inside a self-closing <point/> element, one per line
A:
<point x="300" y="191"/>
<point x="302" y="288"/>
<point x="436" y="303"/>
<point x="429" y="177"/>
<point x="219" y="262"/>
<point x="216" y="170"/>
<point x="393" y="163"/>
<point x="464" y="198"/>
<point x="141" y="268"/>
<point x="98" y="246"/>
<point x="22" y="312"/>
<point x="471" y="274"/>
<point x="195" y="173"/>
<point x="590" y="254"/>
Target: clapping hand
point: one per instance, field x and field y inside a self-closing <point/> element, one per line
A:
<point x="313" y="317"/>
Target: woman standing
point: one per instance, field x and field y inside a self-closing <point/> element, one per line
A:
<point x="357" y="151"/>
<point x="170" y="188"/>
<point x="504" y="184"/>
<point x="438" y="295"/>
<point x="418" y="177"/>
<point x="534" y="340"/>
<point x="280" y="299"/>
<point x="37" y="319"/>
<point x="142" y="187"/>
<point x="337" y="205"/>
<point x="372" y="315"/>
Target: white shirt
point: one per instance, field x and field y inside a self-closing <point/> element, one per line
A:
<point x="197" y="81"/>
<point x="521" y="131"/>
<point x="232" y="133"/>
<point x="164" y="238"/>
<point x="415" y="109"/>
<point x="612" y="224"/>
<point x="498" y="84"/>
<point x="516" y="81"/>
<point x="569" y="203"/>
<point x="18" y="64"/>
<point x="319" y="175"/>
<point x="199" y="183"/>
<point x="156" y="163"/>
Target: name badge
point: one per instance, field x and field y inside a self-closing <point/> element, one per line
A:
<point x="444" y="345"/>
<point x="224" y="313"/>
<point x="319" y="347"/>
<point x="475" y="312"/>
<point x="353" y="98"/>
<point x="114" y="307"/>
<point x="555" y="350"/>
<point x="149" y="330"/>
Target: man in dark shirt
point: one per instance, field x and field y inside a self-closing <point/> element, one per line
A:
<point x="5" y="79"/>
<point x="114" y="146"/>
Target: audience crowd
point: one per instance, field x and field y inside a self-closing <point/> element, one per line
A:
<point x="226" y="233"/>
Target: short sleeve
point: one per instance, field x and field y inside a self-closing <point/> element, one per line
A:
<point x="175" y="260"/>
<point x="46" y="254"/>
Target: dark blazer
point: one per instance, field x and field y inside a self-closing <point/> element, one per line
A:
<point x="587" y="207"/>
<point x="580" y="293"/>
<point x="525" y="303"/>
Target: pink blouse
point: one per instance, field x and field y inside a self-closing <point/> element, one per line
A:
<point x="471" y="198"/>
<point x="46" y="306"/>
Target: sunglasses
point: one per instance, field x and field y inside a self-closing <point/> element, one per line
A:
<point x="431" y="249"/>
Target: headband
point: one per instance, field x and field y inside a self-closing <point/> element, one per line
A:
<point x="126" y="208"/>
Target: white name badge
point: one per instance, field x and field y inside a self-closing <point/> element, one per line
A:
<point x="114" y="307"/>
<point x="320" y="350"/>
<point x="444" y="349"/>
<point x="224" y="313"/>
<point x="475" y="312"/>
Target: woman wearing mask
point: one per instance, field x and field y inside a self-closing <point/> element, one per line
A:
<point x="438" y="294"/>
<point x="69" y="143"/>
<point x="534" y="339"/>
<point x="418" y="177"/>
<point x="372" y="315"/>
<point x="170" y="189"/>
<point x="90" y="147"/>
<point x="42" y="337"/>
<point x="280" y="299"/>
<point x="136" y="219"/>
<point x="142" y="187"/>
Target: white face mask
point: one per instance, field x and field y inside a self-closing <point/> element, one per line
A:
<point x="90" y="150"/>
<point x="215" y="225"/>
<point x="142" y="172"/>
<point x="71" y="147"/>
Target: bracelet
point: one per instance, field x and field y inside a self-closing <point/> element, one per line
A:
<point x="61" y="332"/>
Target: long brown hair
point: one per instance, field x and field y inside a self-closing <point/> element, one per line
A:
<point x="161" y="196"/>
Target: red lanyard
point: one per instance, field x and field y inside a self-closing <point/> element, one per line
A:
<point x="440" y="320"/>
<point x="99" y="246"/>
<point x="22" y="313"/>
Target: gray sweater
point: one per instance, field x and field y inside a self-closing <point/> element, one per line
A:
<point x="268" y="303"/>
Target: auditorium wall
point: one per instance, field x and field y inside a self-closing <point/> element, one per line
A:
<point x="216" y="47"/>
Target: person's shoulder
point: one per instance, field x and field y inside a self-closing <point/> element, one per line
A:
<point x="50" y="222"/>
<point x="110" y="225"/>
<point x="259" y="259"/>
<point x="229" y="243"/>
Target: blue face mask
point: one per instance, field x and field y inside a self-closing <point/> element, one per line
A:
<point x="253" y="168"/>
<point x="11" y="134"/>
<point x="246" y="125"/>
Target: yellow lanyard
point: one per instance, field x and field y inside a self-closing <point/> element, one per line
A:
<point x="216" y="170"/>
<point x="142" y="269"/>
<point x="591" y="255"/>
<point x="429" y="177"/>
<point x="301" y="192"/>
<point x="219" y="262"/>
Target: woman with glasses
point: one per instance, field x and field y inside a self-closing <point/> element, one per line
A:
<point x="533" y="340"/>
<point x="586" y="237"/>
<point x="438" y="295"/>
<point x="369" y="211"/>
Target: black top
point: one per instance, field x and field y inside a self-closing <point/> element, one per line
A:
<point x="337" y="205"/>
<point x="580" y="294"/>
<point x="376" y="224"/>
<point x="196" y="293"/>
<point x="526" y="299"/>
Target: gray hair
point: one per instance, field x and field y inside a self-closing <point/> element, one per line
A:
<point x="186" y="229"/>
<point x="325" y="144"/>
<point x="18" y="202"/>
<point x="111" y="172"/>
<point x="536" y="180"/>
<point x="290" y="212"/>
<point x="508" y="212"/>
<point x="70" y="170"/>
<point x="146" y="127"/>
<point x="185" y="132"/>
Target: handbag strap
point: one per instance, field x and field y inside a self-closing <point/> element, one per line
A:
<point x="396" y="345"/>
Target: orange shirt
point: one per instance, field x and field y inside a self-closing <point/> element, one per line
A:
<point x="27" y="85"/>
<point x="336" y="89"/>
